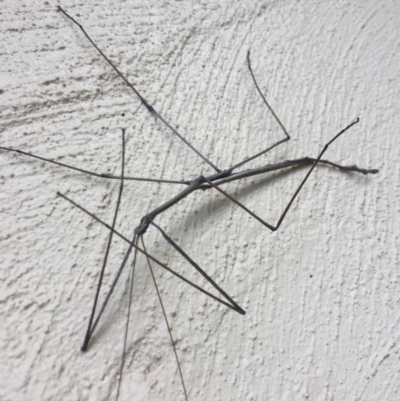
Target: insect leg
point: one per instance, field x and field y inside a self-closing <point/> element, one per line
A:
<point x="270" y="226"/>
<point x="145" y="253"/>
<point x="121" y="187"/>
<point x="149" y="107"/>
<point x="287" y="136"/>
<point x="199" y="269"/>
<point x="111" y="290"/>
<point x="80" y="170"/>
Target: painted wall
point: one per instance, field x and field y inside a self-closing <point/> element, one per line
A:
<point x="322" y="294"/>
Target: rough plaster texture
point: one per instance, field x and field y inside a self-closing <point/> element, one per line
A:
<point x="322" y="294"/>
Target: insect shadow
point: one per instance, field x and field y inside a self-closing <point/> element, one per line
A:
<point x="212" y="182"/>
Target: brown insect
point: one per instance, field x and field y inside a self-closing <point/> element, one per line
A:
<point x="216" y="179"/>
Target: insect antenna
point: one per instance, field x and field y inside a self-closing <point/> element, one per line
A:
<point x="166" y="320"/>
<point x="127" y="318"/>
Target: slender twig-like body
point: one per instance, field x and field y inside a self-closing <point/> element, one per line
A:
<point x="213" y="181"/>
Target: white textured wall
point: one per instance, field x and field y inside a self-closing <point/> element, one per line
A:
<point x="322" y="294"/>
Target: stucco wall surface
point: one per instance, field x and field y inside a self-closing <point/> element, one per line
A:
<point x="322" y="294"/>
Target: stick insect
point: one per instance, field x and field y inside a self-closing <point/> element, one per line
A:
<point x="214" y="181"/>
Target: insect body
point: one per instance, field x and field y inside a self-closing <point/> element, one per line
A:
<point x="216" y="181"/>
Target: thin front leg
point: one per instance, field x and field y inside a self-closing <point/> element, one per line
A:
<point x="121" y="187"/>
<point x="236" y="307"/>
<point x="287" y="136"/>
<point x="163" y="265"/>
<point x="270" y="226"/>
<point x="111" y="290"/>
